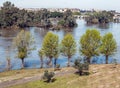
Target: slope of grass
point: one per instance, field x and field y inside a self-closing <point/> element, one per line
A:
<point x="65" y="81"/>
<point x="101" y="76"/>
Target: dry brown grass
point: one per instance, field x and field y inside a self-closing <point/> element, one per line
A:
<point x="104" y="76"/>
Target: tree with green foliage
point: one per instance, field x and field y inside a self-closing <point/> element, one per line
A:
<point x="8" y="14"/>
<point x="23" y="19"/>
<point x="41" y="55"/>
<point x="100" y="17"/>
<point x="56" y="55"/>
<point x="90" y="43"/>
<point x="68" y="47"/>
<point x="50" y="46"/>
<point x="23" y="43"/>
<point x="108" y="46"/>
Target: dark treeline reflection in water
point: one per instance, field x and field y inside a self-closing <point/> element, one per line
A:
<point x="33" y="60"/>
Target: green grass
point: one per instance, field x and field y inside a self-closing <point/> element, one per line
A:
<point x="20" y="72"/>
<point x="23" y="72"/>
<point x="65" y="81"/>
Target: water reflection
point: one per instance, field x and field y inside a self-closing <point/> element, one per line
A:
<point x="101" y="26"/>
<point x="33" y="61"/>
<point x="104" y="26"/>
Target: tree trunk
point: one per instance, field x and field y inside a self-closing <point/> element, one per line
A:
<point x="50" y="62"/>
<point x="80" y="72"/>
<point x="88" y="60"/>
<point x="8" y="64"/>
<point x="68" y="61"/>
<point x="22" y="63"/>
<point x="106" y="59"/>
<point x="55" y="62"/>
<point x="41" y="62"/>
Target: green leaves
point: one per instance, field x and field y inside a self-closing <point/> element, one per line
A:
<point x="108" y="46"/>
<point x="41" y="52"/>
<point x="50" y="44"/>
<point x="68" y="45"/>
<point x="23" y="42"/>
<point x="22" y="52"/>
<point x="100" y="17"/>
<point x="90" y="42"/>
<point x="68" y="20"/>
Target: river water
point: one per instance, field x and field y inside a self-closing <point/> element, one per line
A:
<point x="33" y="60"/>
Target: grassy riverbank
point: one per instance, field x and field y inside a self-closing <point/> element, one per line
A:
<point x="65" y="81"/>
<point x="101" y="76"/>
<point x="18" y="74"/>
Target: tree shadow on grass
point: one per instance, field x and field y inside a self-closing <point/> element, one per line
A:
<point x="52" y="80"/>
<point x="84" y="73"/>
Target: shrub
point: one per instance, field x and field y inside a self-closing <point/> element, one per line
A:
<point x="48" y="76"/>
<point x="82" y="67"/>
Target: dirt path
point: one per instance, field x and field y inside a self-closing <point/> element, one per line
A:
<point x="33" y="78"/>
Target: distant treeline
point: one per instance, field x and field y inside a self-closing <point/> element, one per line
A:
<point x="10" y="15"/>
<point x="99" y="17"/>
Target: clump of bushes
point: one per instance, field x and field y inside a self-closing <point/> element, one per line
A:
<point x="82" y="67"/>
<point x="48" y="76"/>
<point x="99" y="17"/>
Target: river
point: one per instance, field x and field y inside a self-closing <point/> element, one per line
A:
<point x="33" y="60"/>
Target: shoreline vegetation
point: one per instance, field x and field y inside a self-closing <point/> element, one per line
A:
<point x="102" y="17"/>
<point x="12" y="16"/>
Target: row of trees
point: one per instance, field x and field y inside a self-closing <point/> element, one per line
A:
<point x="13" y="16"/>
<point x="91" y="44"/>
<point x="100" y="17"/>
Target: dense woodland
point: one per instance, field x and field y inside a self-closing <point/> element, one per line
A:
<point x="10" y="15"/>
<point x="99" y="17"/>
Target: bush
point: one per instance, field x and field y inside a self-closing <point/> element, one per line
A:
<point x="82" y="67"/>
<point x="48" y="76"/>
